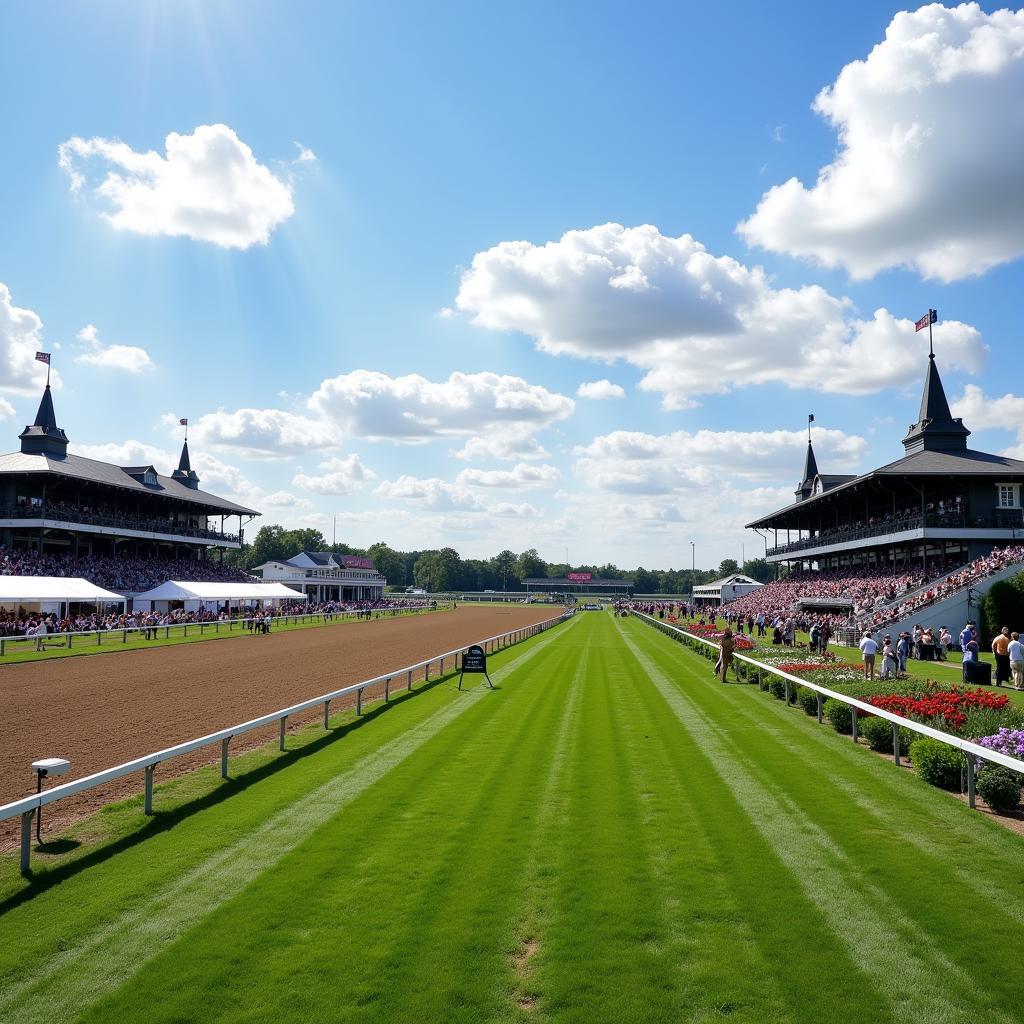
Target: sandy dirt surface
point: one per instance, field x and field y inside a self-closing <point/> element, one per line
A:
<point x="102" y="710"/>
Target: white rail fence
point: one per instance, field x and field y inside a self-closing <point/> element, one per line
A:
<point x="27" y="806"/>
<point x="121" y="633"/>
<point x="974" y="752"/>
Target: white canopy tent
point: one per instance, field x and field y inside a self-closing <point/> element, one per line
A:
<point x="195" y="594"/>
<point x="53" y="590"/>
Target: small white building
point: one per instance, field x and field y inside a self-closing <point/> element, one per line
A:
<point x="724" y="590"/>
<point x="325" y="576"/>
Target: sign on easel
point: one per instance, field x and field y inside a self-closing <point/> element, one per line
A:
<point x="474" y="661"/>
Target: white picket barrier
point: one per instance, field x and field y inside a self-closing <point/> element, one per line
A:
<point x="974" y="752"/>
<point x="27" y="806"/>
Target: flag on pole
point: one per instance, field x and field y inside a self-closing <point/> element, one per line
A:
<point x="43" y="357"/>
<point x="183" y="423"/>
<point x="929" y="318"/>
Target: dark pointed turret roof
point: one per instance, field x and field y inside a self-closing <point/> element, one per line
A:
<point x="936" y="430"/>
<point x="185" y="473"/>
<point x="806" y="485"/>
<point x="44" y="437"/>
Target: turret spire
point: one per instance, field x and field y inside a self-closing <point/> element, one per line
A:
<point x="44" y="437"/>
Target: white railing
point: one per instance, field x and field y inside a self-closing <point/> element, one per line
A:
<point x="973" y="751"/>
<point x="66" y="639"/>
<point x="27" y="806"/>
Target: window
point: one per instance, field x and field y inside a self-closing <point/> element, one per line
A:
<point x="1007" y="495"/>
<point x="150" y="477"/>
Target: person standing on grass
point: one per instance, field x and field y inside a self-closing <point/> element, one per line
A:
<point x="1015" y="650"/>
<point x="1001" y="650"/>
<point x="902" y="653"/>
<point x="888" y="659"/>
<point x="868" y="650"/>
<point x="971" y="655"/>
<point x="725" y="649"/>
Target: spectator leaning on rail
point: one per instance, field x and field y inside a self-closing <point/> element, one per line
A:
<point x="726" y="647"/>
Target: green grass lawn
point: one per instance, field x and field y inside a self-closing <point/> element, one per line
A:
<point x="18" y="651"/>
<point x="609" y="836"/>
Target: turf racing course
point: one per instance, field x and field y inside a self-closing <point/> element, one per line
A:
<point x="610" y="835"/>
<point x="101" y="710"/>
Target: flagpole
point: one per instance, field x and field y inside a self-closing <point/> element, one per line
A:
<point x="47" y="372"/>
<point x="931" y="347"/>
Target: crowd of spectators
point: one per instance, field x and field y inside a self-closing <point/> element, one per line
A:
<point x="123" y="574"/>
<point x="193" y="525"/>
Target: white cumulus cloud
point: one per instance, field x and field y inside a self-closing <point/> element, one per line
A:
<point x="600" y="389"/>
<point x="375" y="406"/>
<point x="982" y="412"/>
<point x="633" y="462"/>
<point x="129" y="358"/>
<point x="697" y="323"/>
<point x="522" y="477"/>
<point x="6" y="409"/>
<point x="931" y="142"/>
<point x="21" y="336"/>
<point x="431" y="492"/>
<point x="500" y="443"/>
<point x="207" y="186"/>
<point x="340" y="476"/>
<point x="260" y="433"/>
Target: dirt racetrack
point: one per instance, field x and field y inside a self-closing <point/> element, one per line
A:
<point x="101" y="710"/>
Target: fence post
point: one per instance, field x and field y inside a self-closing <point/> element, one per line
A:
<point x="284" y="723"/>
<point x="97" y="638"/>
<point x="854" y="724"/>
<point x="440" y="669"/>
<point x="148" y="801"/>
<point x="786" y="689"/>
<point x="820" y="706"/>
<point x="26" y="840"/>
<point x="124" y="639"/>
<point x="409" y="685"/>
<point x="426" y="671"/>
<point x="359" y="701"/>
<point x="327" y="713"/>
<point x="2" y="646"/>
<point x="895" y="743"/>
<point x="971" y="764"/>
<point x="224" y="757"/>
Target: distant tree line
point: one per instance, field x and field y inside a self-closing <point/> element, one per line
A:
<point x="445" y="569"/>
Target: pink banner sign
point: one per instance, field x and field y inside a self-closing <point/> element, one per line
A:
<point x="356" y="562"/>
<point x="580" y="577"/>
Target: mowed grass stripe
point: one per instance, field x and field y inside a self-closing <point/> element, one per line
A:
<point x="345" y="915"/>
<point x="687" y="930"/>
<point x="919" y="981"/>
<point x="57" y="987"/>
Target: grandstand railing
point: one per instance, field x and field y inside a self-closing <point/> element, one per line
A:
<point x="1008" y="519"/>
<point x="26" y="807"/>
<point x="144" y="524"/>
<point x="66" y="639"/>
<point x="973" y="752"/>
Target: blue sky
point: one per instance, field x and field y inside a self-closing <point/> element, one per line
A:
<point x="332" y="239"/>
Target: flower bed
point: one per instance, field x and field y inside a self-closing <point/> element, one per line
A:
<point x="1006" y="741"/>
<point x="948" y="705"/>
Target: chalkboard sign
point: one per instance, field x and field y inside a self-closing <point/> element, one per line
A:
<point x="474" y="661"/>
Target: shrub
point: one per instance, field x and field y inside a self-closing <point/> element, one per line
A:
<point x="935" y="762"/>
<point x="808" y="700"/>
<point x="840" y="715"/>
<point x="777" y="688"/>
<point x="878" y="733"/>
<point x="999" y="788"/>
<point x="764" y="681"/>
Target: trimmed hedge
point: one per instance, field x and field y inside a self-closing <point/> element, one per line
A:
<point x="937" y="763"/>
<point x="840" y="715"/>
<point x="878" y="733"/>
<point x="999" y="787"/>
<point x="808" y="700"/>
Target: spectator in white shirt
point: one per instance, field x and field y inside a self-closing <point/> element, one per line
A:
<point x="1016" y="652"/>
<point x="868" y="650"/>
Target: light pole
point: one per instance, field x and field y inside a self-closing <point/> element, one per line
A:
<point x="693" y="558"/>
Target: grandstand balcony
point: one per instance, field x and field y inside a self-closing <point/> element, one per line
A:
<point x="1001" y="526"/>
<point x="48" y="516"/>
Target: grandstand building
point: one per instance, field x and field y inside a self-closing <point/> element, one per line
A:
<point x="55" y="503"/>
<point x="325" y="576"/>
<point x="940" y="502"/>
<point x="727" y="589"/>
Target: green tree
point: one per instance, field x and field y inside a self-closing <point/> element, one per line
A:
<point x="728" y="567"/>
<point x="425" y="572"/>
<point x="530" y="565"/>
<point x="504" y="566"/>
<point x="645" y="582"/>
<point x="759" y="569"/>
<point x="269" y="544"/>
<point x="390" y="563"/>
